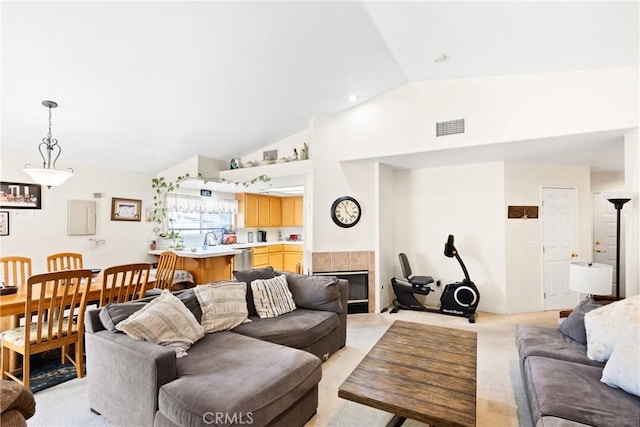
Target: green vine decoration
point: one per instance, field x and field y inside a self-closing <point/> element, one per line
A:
<point x="260" y="178"/>
<point x="161" y="188"/>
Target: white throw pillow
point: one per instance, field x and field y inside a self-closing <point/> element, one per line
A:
<point x="272" y="297"/>
<point x="165" y="321"/>
<point x="623" y="367"/>
<point x="604" y="326"/>
<point x="223" y="304"/>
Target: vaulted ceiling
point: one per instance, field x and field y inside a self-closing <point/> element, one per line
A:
<point x="144" y="85"/>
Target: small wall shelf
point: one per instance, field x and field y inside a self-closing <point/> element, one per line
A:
<point x="276" y="170"/>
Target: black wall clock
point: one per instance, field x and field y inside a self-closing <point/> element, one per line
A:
<point x="346" y="211"/>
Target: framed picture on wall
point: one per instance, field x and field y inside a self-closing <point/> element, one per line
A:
<point x="19" y="195"/>
<point x="126" y="209"/>
<point x="4" y="223"/>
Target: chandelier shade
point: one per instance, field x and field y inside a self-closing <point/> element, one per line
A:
<point x="49" y="175"/>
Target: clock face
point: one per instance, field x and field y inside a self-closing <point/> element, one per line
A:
<point x="345" y="211"/>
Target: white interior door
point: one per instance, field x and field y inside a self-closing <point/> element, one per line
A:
<point x="559" y="245"/>
<point x="604" y="236"/>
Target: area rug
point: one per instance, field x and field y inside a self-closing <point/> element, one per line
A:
<point x="47" y="371"/>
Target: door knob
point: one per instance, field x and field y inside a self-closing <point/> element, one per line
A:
<point x="598" y="251"/>
<point x="574" y="255"/>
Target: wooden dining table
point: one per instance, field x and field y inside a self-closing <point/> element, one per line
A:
<point x="13" y="304"/>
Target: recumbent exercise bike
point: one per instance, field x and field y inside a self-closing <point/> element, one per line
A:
<point x="458" y="299"/>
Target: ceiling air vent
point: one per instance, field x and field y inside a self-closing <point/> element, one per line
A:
<point x="450" y="127"/>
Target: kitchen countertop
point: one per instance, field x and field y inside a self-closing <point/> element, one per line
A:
<point x="223" y="250"/>
<point x="255" y="244"/>
<point x="211" y="251"/>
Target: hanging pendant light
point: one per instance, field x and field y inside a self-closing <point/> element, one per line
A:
<point x="49" y="175"/>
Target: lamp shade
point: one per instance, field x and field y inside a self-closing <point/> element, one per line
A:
<point x="590" y="278"/>
<point x="48" y="177"/>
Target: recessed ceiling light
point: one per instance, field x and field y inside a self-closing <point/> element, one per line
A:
<point x="353" y="97"/>
<point x="441" y="57"/>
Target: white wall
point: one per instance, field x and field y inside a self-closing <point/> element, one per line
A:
<point x="523" y="238"/>
<point x="332" y="179"/>
<point x="39" y="233"/>
<point x="607" y="181"/>
<point x="387" y="265"/>
<point x="195" y="166"/>
<point x="466" y="201"/>
<point x="632" y="212"/>
<point x="347" y="147"/>
<point x="496" y="109"/>
<point x="285" y="147"/>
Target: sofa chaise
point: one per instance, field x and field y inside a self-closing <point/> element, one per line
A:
<point x="264" y="372"/>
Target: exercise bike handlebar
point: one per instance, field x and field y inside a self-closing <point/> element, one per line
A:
<point x="450" y="251"/>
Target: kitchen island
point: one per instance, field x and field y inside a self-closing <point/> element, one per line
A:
<point x="206" y="265"/>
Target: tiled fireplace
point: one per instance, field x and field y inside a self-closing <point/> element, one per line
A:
<point x="354" y="266"/>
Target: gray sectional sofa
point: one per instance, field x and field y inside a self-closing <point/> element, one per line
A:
<point x="265" y="372"/>
<point x="563" y="385"/>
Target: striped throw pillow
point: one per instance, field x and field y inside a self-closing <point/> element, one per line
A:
<point x="165" y="321"/>
<point x="223" y="304"/>
<point x="272" y="297"/>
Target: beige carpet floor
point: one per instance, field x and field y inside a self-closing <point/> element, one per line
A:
<point x="500" y="394"/>
<point x="500" y="399"/>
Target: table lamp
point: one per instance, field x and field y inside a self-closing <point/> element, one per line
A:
<point x="590" y="278"/>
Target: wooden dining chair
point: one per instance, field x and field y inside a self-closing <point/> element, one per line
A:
<point x="64" y="261"/>
<point x="166" y="270"/>
<point x="63" y="292"/>
<point x="124" y="283"/>
<point x="15" y="270"/>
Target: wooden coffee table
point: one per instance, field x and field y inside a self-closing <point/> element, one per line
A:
<point x="426" y="373"/>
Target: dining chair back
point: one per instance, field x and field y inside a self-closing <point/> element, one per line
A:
<point x="124" y="283"/>
<point x="166" y="270"/>
<point x="15" y="270"/>
<point x="64" y="261"/>
<point x="64" y="293"/>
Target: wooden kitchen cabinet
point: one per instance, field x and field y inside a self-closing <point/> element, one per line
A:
<point x="260" y="257"/>
<point x="264" y="214"/>
<point x="292" y="211"/>
<point x="258" y="211"/>
<point x="275" y="256"/>
<point x="299" y="210"/>
<point x="292" y="256"/>
<point x="248" y="207"/>
<point x="264" y="256"/>
<point x="275" y="211"/>
<point x="207" y="270"/>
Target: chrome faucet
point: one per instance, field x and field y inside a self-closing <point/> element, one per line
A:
<point x="206" y="238"/>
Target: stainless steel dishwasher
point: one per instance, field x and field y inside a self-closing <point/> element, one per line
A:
<point x="244" y="260"/>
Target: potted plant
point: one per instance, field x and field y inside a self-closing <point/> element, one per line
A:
<point x="177" y="241"/>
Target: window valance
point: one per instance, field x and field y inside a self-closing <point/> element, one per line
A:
<point x="207" y="205"/>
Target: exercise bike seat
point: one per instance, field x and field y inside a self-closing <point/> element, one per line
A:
<point x="417" y="282"/>
<point x="420" y="280"/>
